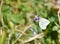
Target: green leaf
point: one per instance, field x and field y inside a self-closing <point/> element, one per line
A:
<point x="55" y="28"/>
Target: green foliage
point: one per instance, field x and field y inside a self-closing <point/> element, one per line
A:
<point x="18" y="15"/>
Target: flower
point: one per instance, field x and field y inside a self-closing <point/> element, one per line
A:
<point x="32" y="30"/>
<point x="37" y="18"/>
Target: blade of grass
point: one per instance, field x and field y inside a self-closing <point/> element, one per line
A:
<point x="57" y="25"/>
<point x="3" y="37"/>
<point x="1" y="16"/>
<point x="59" y="16"/>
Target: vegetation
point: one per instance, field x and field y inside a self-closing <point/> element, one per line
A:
<point x="19" y="26"/>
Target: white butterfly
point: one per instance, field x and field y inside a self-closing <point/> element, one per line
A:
<point x="43" y="23"/>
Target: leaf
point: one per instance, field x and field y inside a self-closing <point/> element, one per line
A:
<point x="55" y="28"/>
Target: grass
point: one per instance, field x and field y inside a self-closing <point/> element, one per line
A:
<point x="18" y="24"/>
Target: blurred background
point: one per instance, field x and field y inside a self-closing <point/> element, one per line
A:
<point x="19" y="21"/>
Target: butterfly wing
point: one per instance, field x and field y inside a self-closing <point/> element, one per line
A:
<point x="43" y="23"/>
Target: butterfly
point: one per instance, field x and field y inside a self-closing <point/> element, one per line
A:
<point x="43" y="23"/>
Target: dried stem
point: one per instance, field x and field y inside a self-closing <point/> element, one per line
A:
<point x="1" y="16"/>
<point x="35" y="37"/>
<point x="59" y="16"/>
<point x="22" y="33"/>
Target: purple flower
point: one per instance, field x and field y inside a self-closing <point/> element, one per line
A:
<point x="37" y="18"/>
<point x="32" y="30"/>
